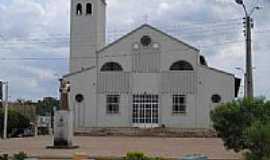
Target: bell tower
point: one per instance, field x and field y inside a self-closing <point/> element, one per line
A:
<point x="87" y="32"/>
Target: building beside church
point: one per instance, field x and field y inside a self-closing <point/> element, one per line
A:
<point x="145" y="79"/>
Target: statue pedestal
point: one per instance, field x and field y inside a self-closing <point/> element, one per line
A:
<point x="63" y="131"/>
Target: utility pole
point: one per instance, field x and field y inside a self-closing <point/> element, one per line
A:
<point x="97" y="82"/>
<point x="5" y="110"/>
<point x="249" y="68"/>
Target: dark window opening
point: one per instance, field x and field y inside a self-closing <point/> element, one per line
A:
<point x="113" y="102"/>
<point x="203" y="61"/>
<point x="237" y="86"/>
<point x="216" y="98"/>
<point x="179" y="104"/>
<point x="111" y="67"/>
<point x="89" y="9"/>
<point x="181" y="66"/>
<point x="79" y="9"/>
<point x="79" y="98"/>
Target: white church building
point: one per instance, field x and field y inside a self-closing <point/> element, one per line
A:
<point x="145" y="79"/>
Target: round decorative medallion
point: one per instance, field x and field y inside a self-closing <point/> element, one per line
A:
<point x="156" y="46"/>
<point x="146" y="41"/>
<point x="136" y="46"/>
<point x="216" y="98"/>
<point x="79" y="98"/>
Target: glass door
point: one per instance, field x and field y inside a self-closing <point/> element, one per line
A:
<point x="145" y="110"/>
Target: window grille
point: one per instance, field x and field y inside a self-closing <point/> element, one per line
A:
<point x="113" y="102"/>
<point x="179" y="104"/>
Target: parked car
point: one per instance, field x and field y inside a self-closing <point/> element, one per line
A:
<point x="22" y="132"/>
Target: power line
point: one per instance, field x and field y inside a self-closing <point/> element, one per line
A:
<point x="66" y="37"/>
<point x="82" y="42"/>
<point x="81" y="39"/>
<point x="101" y="56"/>
<point x="167" y="27"/>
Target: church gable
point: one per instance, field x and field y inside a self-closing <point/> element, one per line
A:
<point x="135" y="36"/>
<point x="158" y="51"/>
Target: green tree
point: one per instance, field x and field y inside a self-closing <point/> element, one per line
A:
<point x="45" y="106"/>
<point x="231" y="119"/>
<point x="15" y="120"/>
<point x="235" y="122"/>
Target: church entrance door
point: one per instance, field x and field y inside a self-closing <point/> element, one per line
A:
<point x="145" y="111"/>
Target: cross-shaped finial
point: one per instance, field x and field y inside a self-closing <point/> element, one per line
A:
<point x="146" y="18"/>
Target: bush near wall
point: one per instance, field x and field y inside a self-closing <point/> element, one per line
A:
<point x="19" y="156"/>
<point x="139" y="156"/>
<point x="244" y="125"/>
<point x="258" y="136"/>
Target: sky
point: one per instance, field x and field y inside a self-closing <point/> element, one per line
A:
<point x="34" y="37"/>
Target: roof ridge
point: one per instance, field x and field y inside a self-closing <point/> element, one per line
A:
<point x="79" y="71"/>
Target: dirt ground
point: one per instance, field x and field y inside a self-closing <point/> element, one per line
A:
<point x="119" y="146"/>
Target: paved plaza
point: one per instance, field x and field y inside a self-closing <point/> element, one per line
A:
<point x="119" y="146"/>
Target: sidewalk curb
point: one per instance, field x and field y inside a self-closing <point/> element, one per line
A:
<point x="45" y="157"/>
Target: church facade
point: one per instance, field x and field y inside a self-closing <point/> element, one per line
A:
<point x="146" y="78"/>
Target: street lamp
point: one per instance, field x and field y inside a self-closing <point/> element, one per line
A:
<point x="239" y="2"/>
<point x="248" y="26"/>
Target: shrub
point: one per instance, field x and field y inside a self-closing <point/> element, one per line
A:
<point x="139" y="156"/>
<point x="239" y="125"/>
<point x="20" y="156"/>
<point x="134" y="156"/>
<point x="258" y="138"/>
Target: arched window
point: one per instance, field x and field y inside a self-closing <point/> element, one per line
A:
<point x="111" y="67"/>
<point x="89" y="8"/>
<point x="79" y="9"/>
<point x="181" y="66"/>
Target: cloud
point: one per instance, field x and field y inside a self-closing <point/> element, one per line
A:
<point x="38" y="28"/>
<point x="20" y="18"/>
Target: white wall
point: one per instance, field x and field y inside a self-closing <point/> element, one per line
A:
<point x="145" y="83"/>
<point x="170" y="50"/>
<point x="83" y="83"/>
<point x="182" y="120"/>
<point x="113" y="120"/>
<point x="150" y="81"/>
<point x="180" y="82"/>
<point x="114" y="82"/>
<point x="198" y="85"/>
<point x="87" y="34"/>
<point x="212" y="82"/>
